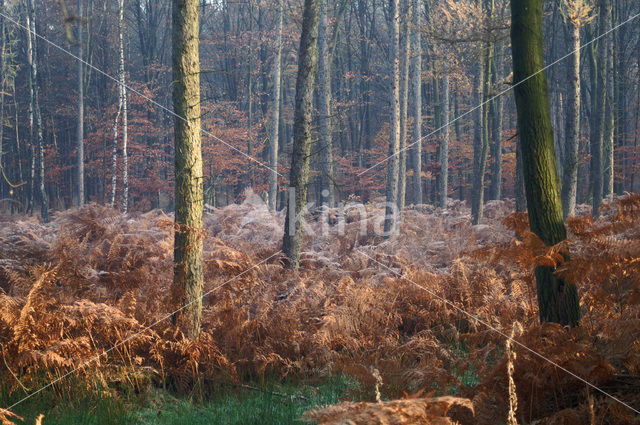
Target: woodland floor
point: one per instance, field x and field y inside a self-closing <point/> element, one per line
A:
<point x="361" y="307"/>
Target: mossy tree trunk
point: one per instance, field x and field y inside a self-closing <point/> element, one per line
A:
<point x="188" y="273"/>
<point x="299" y="178"/>
<point x="557" y="300"/>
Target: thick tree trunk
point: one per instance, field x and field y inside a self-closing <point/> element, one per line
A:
<point x="521" y="200"/>
<point x="299" y="178"/>
<point x="416" y="88"/>
<point x="324" y="106"/>
<point x="80" y="125"/>
<point x="557" y="300"/>
<point x="394" y="127"/>
<point x="275" y="117"/>
<point x="572" y="133"/>
<point x="188" y="274"/>
<point x="444" y="146"/>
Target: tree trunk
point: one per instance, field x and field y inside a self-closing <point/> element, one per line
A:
<point x="324" y="101"/>
<point x="557" y="300"/>
<point x="598" y="114"/>
<point x="521" y="200"/>
<point x="496" y="126"/>
<point x="608" y="139"/>
<point x="299" y="178"/>
<point x="123" y="97"/>
<point x="404" y="91"/>
<point x="444" y="147"/>
<point x="32" y="56"/>
<point x="570" y="169"/>
<point x="416" y="87"/>
<point x="80" y="126"/>
<point x="2" y="88"/>
<point x="188" y="274"/>
<point x="275" y="118"/>
<point x="394" y="127"/>
<point x="479" y="148"/>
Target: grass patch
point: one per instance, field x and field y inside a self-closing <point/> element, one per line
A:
<point x="267" y="404"/>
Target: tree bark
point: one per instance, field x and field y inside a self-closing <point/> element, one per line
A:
<point x="299" y="178"/>
<point x="3" y="74"/>
<point x="188" y="274"/>
<point x="404" y="91"/>
<point x="608" y="139"/>
<point x="123" y="97"/>
<point x="80" y="125"/>
<point x="479" y="147"/>
<point x="394" y="127"/>
<point x="275" y="117"/>
<point x="416" y="88"/>
<point x="444" y="147"/>
<point x="324" y="106"/>
<point x="598" y="114"/>
<point x="496" y="134"/>
<point x="570" y="169"/>
<point x="32" y="57"/>
<point x="557" y="299"/>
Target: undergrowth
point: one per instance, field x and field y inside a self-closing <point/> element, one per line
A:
<point x="92" y="278"/>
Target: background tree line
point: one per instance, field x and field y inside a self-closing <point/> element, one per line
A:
<point x="70" y="135"/>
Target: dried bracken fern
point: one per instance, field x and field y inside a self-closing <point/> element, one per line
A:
<point x="424" y="411"/>
<point x="92" y="278"/>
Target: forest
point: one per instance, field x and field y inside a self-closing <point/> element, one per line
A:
<point x="332" y="212"/>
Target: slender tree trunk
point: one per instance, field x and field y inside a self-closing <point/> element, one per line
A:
<point x="35" y="114"/>
<point x="444" y="147"/>
<point x="275" y="118"/>
<point x="114" y="151"/>
<point x="598" y="114"/>
<point x="608" y="139"/>
<point x="3" y="74"/>
<point x="250" y="100"/>
<point x="324" y="101"/>
<point x="496" y="125"/>
<point x="570" y="169"/>
<point x="188" y="274"/>
<point x="123" y="101"/>
<point x="416" y="88"/>
<point x="557" y="299"/>
<point x="299" y="178"/>
<point x="479" y="148"/>
<point x="394" y="127"/>
<point x="80" y="126"/>
<point x="404" y="91"/>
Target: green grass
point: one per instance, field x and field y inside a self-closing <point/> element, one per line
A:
<point x="266" y="404"/>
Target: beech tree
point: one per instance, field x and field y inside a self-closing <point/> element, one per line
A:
<point x="557" y="299"/>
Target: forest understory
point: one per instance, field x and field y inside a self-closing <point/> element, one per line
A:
<point x="360" y="305"/>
